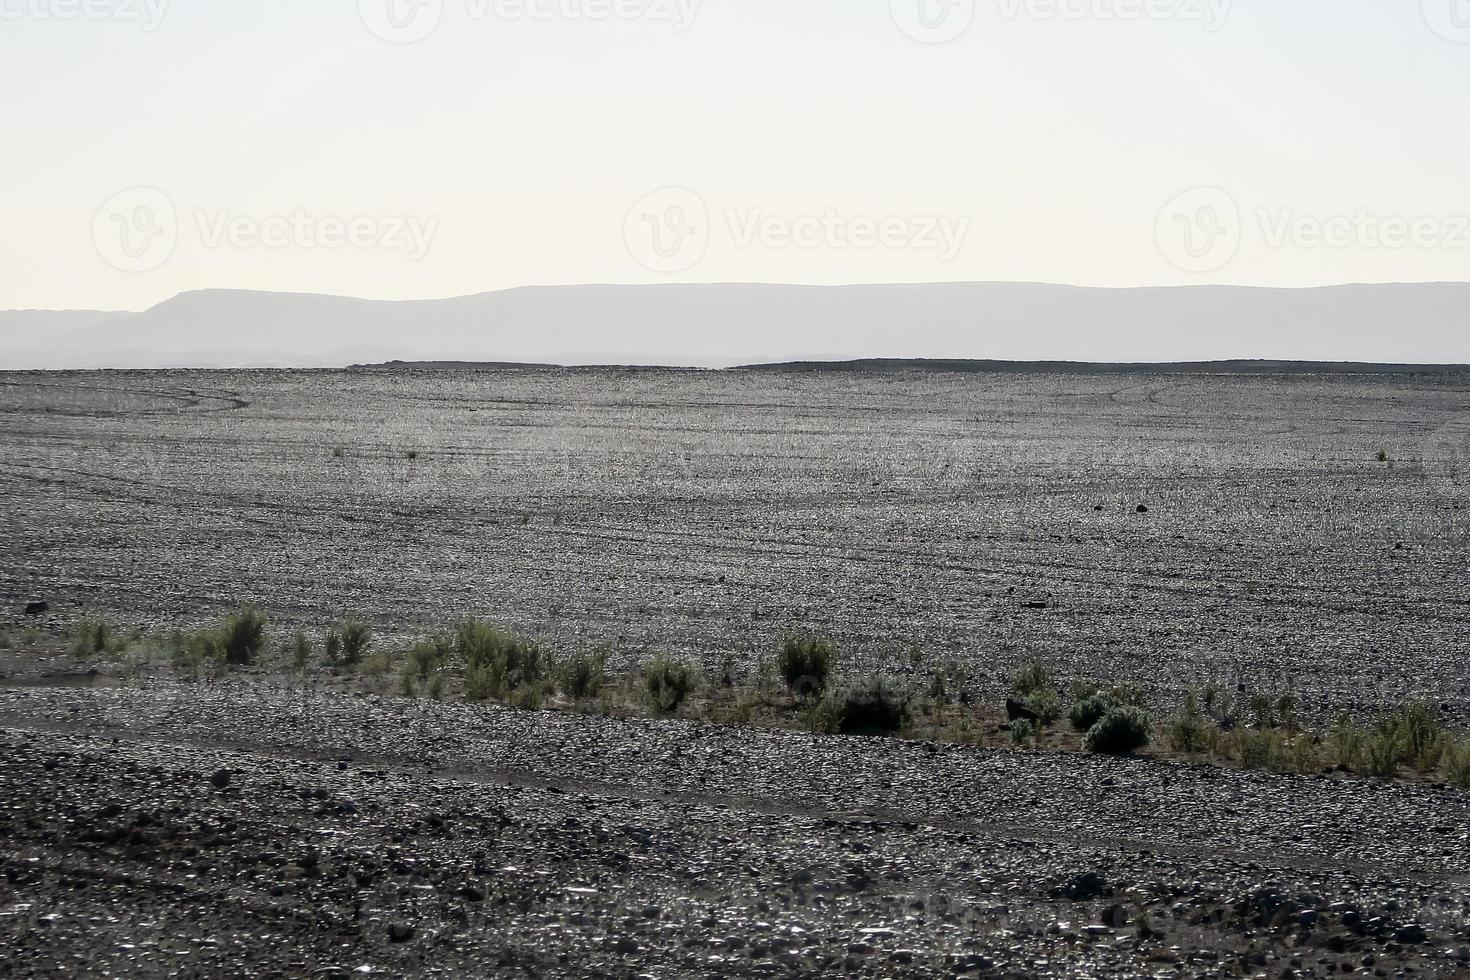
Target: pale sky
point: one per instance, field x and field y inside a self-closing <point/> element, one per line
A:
<point x="813" y="141"/>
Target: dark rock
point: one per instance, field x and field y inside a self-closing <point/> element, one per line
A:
<point x="221" y="778"/>
<point x="1017" y="710"/>
<point x="37" y="608"/>
<point x="400" y="932"/>
<point x="1412" y="933"/>
<point x="1142" y="509"/>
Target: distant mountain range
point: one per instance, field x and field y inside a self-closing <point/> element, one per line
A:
<point x="730" y="324"/>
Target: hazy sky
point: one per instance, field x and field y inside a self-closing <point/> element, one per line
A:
<point x="152" y="146"/>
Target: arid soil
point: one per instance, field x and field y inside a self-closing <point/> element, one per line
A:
<point x="989" y="518"/>
<point x="1159" y="530"/>
<point x="244" y="829"/>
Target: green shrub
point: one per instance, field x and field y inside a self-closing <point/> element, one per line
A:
<point x="1122" y="731"/>
<point x="1346" y="744"/>
<point x="805" y="663"/>
<point x="1089" y="711"/>
<point x="94" y="636"/>
<point x="514" y="660"/>
<point x="1257" y="749"/>
<point x="667" y="683"/>
<point x="485" y="682"/>
<point x="1024" y="732"/>
<point x="1418" y="733"/>
<point x="379" y="664"/>
<point x="426" y="658"/>
<point x="1457" y="764"/>
<point x="349" y="641"/>
<point x="243" y="636"/>
<point x="300" y="652"/>
<point x="1382" y="751"/>
<point x="580" y="676"/>
<point x="1189" y="731"/>
<point x="1035" y="687"/>
<point x="870" y="704"/>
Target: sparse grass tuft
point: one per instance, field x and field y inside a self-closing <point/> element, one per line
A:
<point x="1088" y="711"/>
<point x="1190" y="729"/>
<point x="500" y="660"/>
<point x="579" y="677"/>
<point x="1457" y="764"/>
<point x="97" y="635"/>
<point x="349" y="641"/>
<point x="805" y="663"/>
<point x="667" y="683"/>
<point x="243" y="636"/>
<point x="1036" y="688"/>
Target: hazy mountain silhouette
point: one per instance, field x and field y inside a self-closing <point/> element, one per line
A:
<point x="726" y="324"/>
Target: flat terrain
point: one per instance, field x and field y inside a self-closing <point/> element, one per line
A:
<point x="1161" y="529"/>
<point x="990" y="518"/>
<point x="243" y="829"/>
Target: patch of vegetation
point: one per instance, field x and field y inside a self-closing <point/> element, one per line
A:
<point x="1122" y="731"/>
<point x="580" y="676"/>
<point x="378" y="664"/>
<point x="805" y="664"/>
<point x="96" y="636"/>
<point x="300" y="652"/>
<point x="1457" y="764"/>
<point x="876" y="703"/>
<point x="501" y="660"/>
<point x="243" y="636"/>
<point x="1036" y="688"/>
<point x="1024" y="732"/>
<point x="1088" y="711"/>
<point x="667" y="683"/>
<point x="1190" y="731"/>
<point x="349" y="641"/>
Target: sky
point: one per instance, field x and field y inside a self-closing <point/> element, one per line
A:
<point x="402" y="149"/>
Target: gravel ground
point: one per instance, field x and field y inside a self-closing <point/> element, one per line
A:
<point x="244" y="829"/>
<point x="989" y="518"/>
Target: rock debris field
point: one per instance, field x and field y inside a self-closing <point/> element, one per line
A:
<point x="1155" y="529"/>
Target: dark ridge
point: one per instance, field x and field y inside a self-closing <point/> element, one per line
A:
<point x="973" y="366"/>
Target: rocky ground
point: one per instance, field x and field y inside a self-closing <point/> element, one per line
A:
<point x="1304" y="529"/>
<point x="250" y="829"/>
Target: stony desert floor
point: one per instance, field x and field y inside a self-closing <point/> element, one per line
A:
<point x="1155" y="529"/>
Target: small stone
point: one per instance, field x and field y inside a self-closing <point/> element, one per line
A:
<point x="400" y="932"/>
<point x="221" y="778"/>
